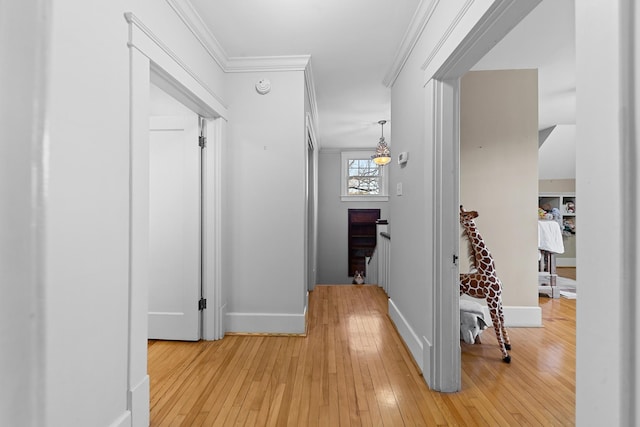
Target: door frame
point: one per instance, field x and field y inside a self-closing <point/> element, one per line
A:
<point x="150" y="59"/>
<point x="441" y="80"/>
<point x="311" y="207"/>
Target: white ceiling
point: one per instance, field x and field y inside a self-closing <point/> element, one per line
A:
<point x="557" y="156"/>
<point x="545" y="39"/>
<point x="352" y="44"/>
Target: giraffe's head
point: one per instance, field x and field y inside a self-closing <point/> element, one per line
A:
<point x="467" y="217"/>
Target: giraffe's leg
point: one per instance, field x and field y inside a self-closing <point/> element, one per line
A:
<point x="505" y="336"/>
<point x="497" y="326"/>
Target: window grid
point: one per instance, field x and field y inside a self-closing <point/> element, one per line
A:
<point x="363" y="177"/>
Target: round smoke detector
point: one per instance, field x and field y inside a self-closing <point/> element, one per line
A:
<point x="263" y="86"/>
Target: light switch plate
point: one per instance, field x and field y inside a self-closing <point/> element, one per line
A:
<point x="399" y="189"/>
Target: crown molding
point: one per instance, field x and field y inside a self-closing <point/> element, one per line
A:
<point x="330" y="150"/>
<point x="311" y="93"/>
<point x="334" y="150"/>
<point x="192" y="20"/>
<point x="249" y="64"/>
<point x="445" y="36"/>
<point x="421" y="17"/>
<point x="194" y="23"/>
<point x="496" y="22"/>
<point x="252" y="64"/>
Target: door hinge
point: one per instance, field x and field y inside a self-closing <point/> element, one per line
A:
<point x="455" y="259"/>
<point x="202" y="141"/>
<point x="202" y="304"/>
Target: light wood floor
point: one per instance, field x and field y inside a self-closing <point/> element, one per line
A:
<point x="568" y="272"/>
<point x="353" y="369"/>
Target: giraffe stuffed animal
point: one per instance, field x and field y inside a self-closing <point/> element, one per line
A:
<point x="482" y="281"/>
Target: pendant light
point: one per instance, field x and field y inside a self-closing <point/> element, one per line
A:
<point x="382" y="156"/>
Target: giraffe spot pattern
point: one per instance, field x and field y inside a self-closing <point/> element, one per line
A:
<point x="484" y="283"/>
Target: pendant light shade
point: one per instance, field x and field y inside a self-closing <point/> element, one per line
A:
<point x="382" y="156"/>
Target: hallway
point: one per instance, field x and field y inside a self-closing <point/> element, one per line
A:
<point x="352" y="369"/>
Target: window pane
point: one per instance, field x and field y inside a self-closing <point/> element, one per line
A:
<point x="364" y="177"/>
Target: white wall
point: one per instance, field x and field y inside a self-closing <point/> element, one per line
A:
<point x="82" y="337"/>
<point x="333" y="242"/>
<point x="499" y="175"/>
<point x="416" y="268"/>
<point x="557" y="156"/>
<point x="266" y="185"/>
<point x="410" y="214"/>
<point x="607" y="350"/>
<point x="86" y="205"/>
<point x="557" y="185"/>
<point x="23" y="50"/>
<point x="163" y="104"/>
<point x="87" y="216"/>
<point x="607" y="161"/>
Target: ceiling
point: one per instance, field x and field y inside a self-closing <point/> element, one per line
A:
<point x="353" y="43"/>
<point x="545" y="39"/>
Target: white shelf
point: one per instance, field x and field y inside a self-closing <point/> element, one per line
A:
<point x="547" y="201"/>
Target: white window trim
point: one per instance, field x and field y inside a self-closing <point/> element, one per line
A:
<point x="362" y="154"/>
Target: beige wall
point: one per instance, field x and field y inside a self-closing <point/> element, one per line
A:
<point x="557" y="186"/>
<point x="499" y="173"/>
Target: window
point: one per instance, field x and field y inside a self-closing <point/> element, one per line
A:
<point x="362" y="179"/>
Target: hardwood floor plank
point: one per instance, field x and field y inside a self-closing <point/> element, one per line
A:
<point x="353" y="369"/>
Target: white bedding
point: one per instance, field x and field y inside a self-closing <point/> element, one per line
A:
<point x="550" y="237"/>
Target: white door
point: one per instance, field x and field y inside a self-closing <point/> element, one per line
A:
<point x="174" y="228"/>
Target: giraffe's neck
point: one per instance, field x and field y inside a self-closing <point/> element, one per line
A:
<point x="483" y="261"/>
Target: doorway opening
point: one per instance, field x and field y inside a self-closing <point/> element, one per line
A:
<point x="175" y="220"/>
<point x="151" y="61"/>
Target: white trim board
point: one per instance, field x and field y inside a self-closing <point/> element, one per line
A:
<point x="150" y="56"/>
<point x="139" y="397"/>
<point x="212" y="318"/>
<point x="518" y="316"/>
<point x="515" y="317"/>
<point x="420" y="19"/>
<point x="250" y="64"/>
<point x="185" y="11"/>
<point x="565" y="262"/>
<point x="123" y="420"/>
<point x="410" y="338"/>
<point x="265" y="323"/>
<point x="471" y="30"/>
<point x="170" y="66"/>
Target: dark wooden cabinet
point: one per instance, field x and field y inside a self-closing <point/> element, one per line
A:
<point x="362" y="237"/>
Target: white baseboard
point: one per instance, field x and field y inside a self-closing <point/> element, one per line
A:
<point x="426" y="363"/>
<point x="306" y="308"/>
<point x="421" y="351"/>
<point x="565" y="262"/>
<point x="139" y="398"/>
<point x="223" y="313"/>
<point x="123" y="420"/>
<point x="265" y="323"/>
<point x="408" y="335"/>
<point x="518" y="317"/>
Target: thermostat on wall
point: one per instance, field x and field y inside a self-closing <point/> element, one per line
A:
<point x="403" y="157"/>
